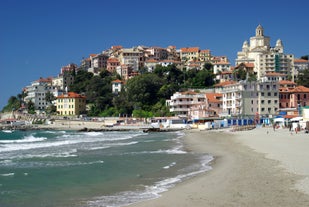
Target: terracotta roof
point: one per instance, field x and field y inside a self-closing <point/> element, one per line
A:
<point x="205" y="51"/>
<point x="116" y="47"/>
<point x="300" y="61"/>
<point x="274" y="74"/>
<point x="290" y="116"/>
<point x="225" y="83"/>
<point x="117" y="81"/>
<point x="221" y="63"/>
<point x="151" y="61"/>
<point x="301" y="89"/>
<point x="189" y="49"/>
<point x="298" y="89"/>
<point x="188" y="93"/>
<point x="226" y="72"/>
<point x="93" y="55"/>
<point x="71" y="95"/>
<point x="247" y="65"/>
<point x="286" y="82"/>
<point x="45" y="80"/>
<point x="112" y="60"/>
<point x="212" y="97"/>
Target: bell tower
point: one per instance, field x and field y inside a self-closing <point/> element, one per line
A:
<point x="259" y="31"/>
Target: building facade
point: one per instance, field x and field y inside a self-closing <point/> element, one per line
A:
<point x="250" y="98"/>
<point x="70" y="104"/>
<point x="181" y="102"/>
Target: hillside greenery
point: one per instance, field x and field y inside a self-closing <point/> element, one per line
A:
<point x="143" y="95"/>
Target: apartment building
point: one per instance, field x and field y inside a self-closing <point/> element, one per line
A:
<point x="36" y="93"/>
<point x="294" y="97"/>
<point x="71" y="103"/>
<point x="211" y="107"/>
<point x="63" y="81"/>
<point x="189" y="54"/>
<point x="133" y="57"/>
<point x="181" y="102"/>
<point x="300" y="65"/>
<point x="247" y="98"/>
<point x="112" y="64"/>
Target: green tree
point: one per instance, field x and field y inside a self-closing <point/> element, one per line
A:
<point x="240" y="74"/>
<point x="31" y="108"/>
<point x="81" y="81"/>
<point x="49" y="97"/>
<point x="13" y="104"/>
<point x="303" y="78"/>
<point x="143" y="90"/>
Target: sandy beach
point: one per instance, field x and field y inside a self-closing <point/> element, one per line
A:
<point x="253" y="168"/>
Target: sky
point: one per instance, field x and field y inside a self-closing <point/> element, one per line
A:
<point x="38" y="37"/>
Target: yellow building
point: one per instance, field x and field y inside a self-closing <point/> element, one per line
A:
<point x="71" y="104"/>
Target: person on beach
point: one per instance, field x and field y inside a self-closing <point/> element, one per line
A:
<point x="274" y="126"/>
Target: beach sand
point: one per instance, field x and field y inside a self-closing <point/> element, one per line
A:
<point x="253" y="168"/>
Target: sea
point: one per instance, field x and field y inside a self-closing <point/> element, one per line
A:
<point x="92" y="169"/>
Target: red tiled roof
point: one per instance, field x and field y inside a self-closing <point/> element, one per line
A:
<point x="225" y="83"/>
<point x="300" y="61"/>
<point x="286" y="82"/>
<point x="189" y="49"/>
<point x="301" y="89"/>
<point x="298" y="89"/>
<point x="188" y="93"/>
<point x="112" y="60"/>
<point x="151" y="61"/>
<point x="274" y="74"/>
<point x="290" y="116"/>
<point x="226" y="72"/>
<point x="117" y="81"/>
<point x="71" y="95"/>
<point x="212" y="97"/>
<point x="205" y="51"/>
<point x="45" y="80"/>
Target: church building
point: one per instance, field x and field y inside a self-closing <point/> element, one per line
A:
<point x="264" y="57"/>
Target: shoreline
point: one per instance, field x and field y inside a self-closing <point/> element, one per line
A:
<point x="244" y="172"/>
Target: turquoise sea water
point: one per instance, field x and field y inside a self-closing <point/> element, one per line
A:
<point x="67" y="168"/>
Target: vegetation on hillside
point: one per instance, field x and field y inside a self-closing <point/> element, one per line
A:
<point x="142" y="96"/>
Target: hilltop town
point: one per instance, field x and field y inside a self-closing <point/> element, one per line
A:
<point x="188" y="82"/>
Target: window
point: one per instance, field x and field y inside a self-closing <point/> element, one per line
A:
<point x="268" y="94"/>
<point x="269" y="101"/>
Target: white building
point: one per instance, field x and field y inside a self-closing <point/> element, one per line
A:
<point x="36" y="93"/>
<point x="132" y="57"/>
<point x="116" y="86"/>
<point x="181" y="102"/>
<point x="247" y="98"/>
<point x="265" y="58"/>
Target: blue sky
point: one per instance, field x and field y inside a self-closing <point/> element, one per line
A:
<point x="38" y="37"/>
